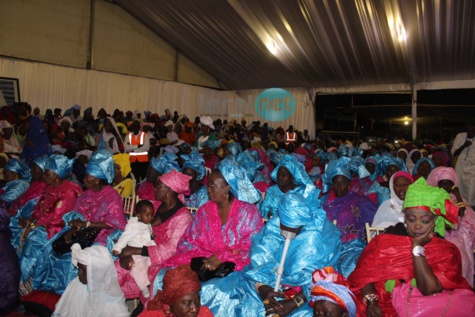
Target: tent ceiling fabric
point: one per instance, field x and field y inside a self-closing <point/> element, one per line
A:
<point x="318" y="43"/>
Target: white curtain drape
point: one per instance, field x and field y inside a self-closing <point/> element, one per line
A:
<point x="50" y="86"/>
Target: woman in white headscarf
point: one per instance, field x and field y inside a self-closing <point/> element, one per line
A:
<point x="390" y="211"/>
<point x="95" y="291"/>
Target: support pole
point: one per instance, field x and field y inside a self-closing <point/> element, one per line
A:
<point x="414" y="113"/>
<point x="90" y="47"/>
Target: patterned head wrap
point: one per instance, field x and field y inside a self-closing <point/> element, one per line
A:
<point x="275" y="156"/>
<point x="432" y="199"/>
<point x="388" y="160"/>
<point x="196" y="162"/>
<point x="177" y="283"/>
<point x="241" y="186"/>
<point x="441" y="173"/>
<point x="123" y="160"/>
<point x="357" y="166"/>
<point x="60" y="164"/>
<point x="165" y="163"/>
<point x="18" y="166"/>
<point x="250" y="165"/>
<point x="234" y="148"/>
<point x="178" y="182"/>
<point x="213" y="145"/>
<point x="335" y="168"/>
<point x="294" y="211"/>
<point x="297" y="170"/>
<point x="41" y="161"/>
<point x="101" y="166"/>
<point x="423" y="159"/>
<point x="331" y="286"/>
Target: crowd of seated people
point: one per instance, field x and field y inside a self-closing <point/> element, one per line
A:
<point x="230" y="219"/>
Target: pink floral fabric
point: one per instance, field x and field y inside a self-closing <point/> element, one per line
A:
<point x="229" y="242"/>
<point x="103" y="206"/>
<point x="146" y="191"/>
<point x="53" y="204"/>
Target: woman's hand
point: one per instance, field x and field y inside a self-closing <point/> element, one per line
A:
<point x="126" y="261"/>
<point x="423" y="239"/>
<point x="77" y="223"/>
<point x="287" y="306"/>
<point x="268" y="295"/>
<point x="211" y="263"/>
<point x="373" y="310"/>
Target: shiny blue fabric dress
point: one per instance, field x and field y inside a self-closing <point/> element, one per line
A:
<point x="316" y="246"/>
<point x="198" y="198"/>
<point x="14" y="189"/>
<point x="382" y="192"/>
<point x="271" y="201"/>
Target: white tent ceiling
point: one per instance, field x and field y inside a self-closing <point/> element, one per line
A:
<point x="318" y="43"/>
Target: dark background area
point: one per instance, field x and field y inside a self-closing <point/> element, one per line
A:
<point x="441" y="114"/>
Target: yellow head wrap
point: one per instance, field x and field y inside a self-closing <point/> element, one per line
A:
<point x="123" y="160"/>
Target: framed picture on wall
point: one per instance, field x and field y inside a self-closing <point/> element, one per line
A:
<point x="10" y="89"/>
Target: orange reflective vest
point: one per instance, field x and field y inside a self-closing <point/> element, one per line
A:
<point x="290" y="137"/>
<point x="137" y="140"/>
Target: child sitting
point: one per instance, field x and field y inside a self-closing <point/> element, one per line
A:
<point x="138" y="233"/>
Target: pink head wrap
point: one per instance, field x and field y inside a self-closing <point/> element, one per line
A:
<point x="178" y="182"/>
<point x="441" y="173"/>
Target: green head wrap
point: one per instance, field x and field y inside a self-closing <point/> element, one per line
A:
<point x="433" y="199"/>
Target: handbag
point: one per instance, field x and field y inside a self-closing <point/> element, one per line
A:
<point x="409" y="301"/>
<point x="222" y="270"/>
<point x="84" y="237"/>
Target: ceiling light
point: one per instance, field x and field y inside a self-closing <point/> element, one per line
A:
<point x="406" y="122"/>
<point x="272" y="46"/>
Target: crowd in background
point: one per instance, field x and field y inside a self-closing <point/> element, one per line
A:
<point x="252" y="189"/>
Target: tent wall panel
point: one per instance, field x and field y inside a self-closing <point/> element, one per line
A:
<point x="190" y="73"/>
<point x="124" y="45"/>
<point x="58" y="32"/>
<point x="53" y="31"/>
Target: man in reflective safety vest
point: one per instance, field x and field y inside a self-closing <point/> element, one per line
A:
<point x="137" y="144"/>
<point x="290" y="135"/>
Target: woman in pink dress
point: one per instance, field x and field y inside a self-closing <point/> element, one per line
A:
<point x="170" y="222"/>
<point x="223" y="228"/>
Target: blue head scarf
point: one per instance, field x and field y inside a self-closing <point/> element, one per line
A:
<point x="295" y="168"/>
<point x="18" y="166"/>
<point x="101" y="165"/>
<point x="388" y="160"/>
<point x="335" y="168"/>
<point x="373" y="160"/>
<point x="213" y="145"/>
<point x="423" y="159"/>
<point x="60" y="164"/>
<point x="356" y="165"/>
<point x="234" y="148"/>
<point x="250" y="166"/>
<point x="196" y="162"/>
<point x="241" y="186"/>
<point x="294" y="211"/>
<point x="165" y="163"/>
<point x="275" y="156"/>
<point x="41" y="161"/>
